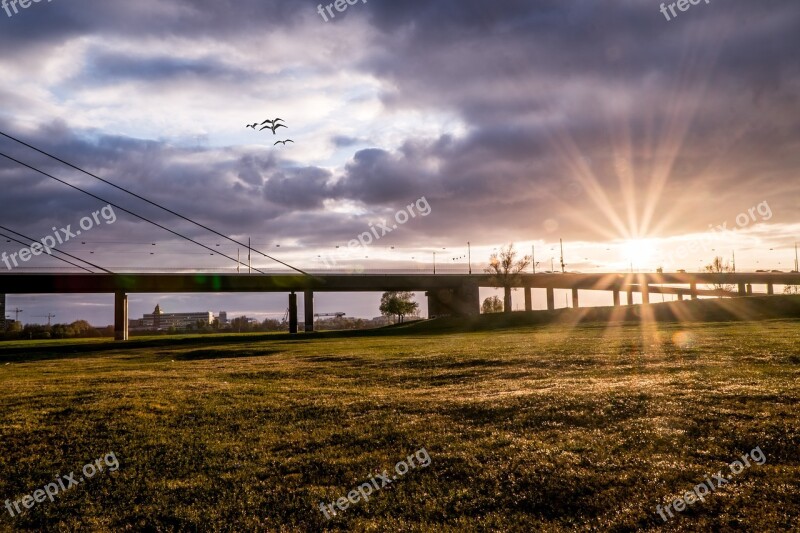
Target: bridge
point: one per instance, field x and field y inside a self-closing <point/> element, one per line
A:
<point x="448" y="294"/>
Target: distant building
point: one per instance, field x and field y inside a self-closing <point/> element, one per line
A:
<point x="159" y="320"/>
<point x="223" y="318"/>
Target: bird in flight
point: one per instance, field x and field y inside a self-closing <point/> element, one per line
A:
<point x="273" y="127"/>
<point x="272" y="121"/>
<point x="253" y="125"/>
<point x="284" y="142"/>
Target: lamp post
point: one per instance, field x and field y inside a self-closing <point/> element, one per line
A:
<point x="469" y="256"/>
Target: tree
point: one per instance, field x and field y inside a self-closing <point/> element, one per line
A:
<point x="400" y="304"/>
<point x="492" y="304"/>
<point x="83" y="329"/>
<point x="718" y="267"/>
<point x="506" y="269"/>
<point x="791" y="289"/>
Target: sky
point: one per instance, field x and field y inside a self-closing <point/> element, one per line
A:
<point x="641" y="138"/>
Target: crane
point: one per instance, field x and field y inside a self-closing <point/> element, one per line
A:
<point x="48" y="316"/>
<point x="16" y="312"/>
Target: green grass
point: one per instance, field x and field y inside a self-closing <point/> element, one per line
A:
<point x="539" y="428"/>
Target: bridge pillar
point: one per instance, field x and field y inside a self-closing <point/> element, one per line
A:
<point x="551" y="299"/>
<point x="770" y="288"/>
<point x="308" y="304"/>
<point x="742" y="289"/>
<point x="645" y="288"/>
<point x="630" y="296"/>
<point x="680" y="296"/>
<point x="292" y="313"/>
<point x="575" y="303"/>
<point x="528" y="299"/>
<point x="616" y="298"/>
<point x="463" y="301"/>
<point x="693" y="288"/>
<point x="120" y="316"/>
<point x="749" y="289"/>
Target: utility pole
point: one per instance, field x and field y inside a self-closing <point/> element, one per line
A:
<point x="248" y="256"/>
<point x="238" y="261"/>
<point x="434" y="261"/>
<point x="562" y="255"/>
<point x="533" y="258"/>
<point x="469" y="256"/>
<point x="796" y="265"/>
<point x="734" y="261"/>
<point x="16" y="312"/>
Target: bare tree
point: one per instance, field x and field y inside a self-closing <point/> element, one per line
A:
<point x="506" y="269"/>
<point x="718" y="267"/>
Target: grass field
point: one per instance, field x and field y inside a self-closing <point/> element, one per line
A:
<point x="539" y="428"/>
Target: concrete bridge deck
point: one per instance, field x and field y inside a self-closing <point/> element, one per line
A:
<point x="447" y="293"/>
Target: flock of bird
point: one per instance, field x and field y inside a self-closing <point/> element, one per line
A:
<point x="271" y="125"/>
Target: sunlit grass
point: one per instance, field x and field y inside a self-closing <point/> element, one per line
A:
<point x="529" y="429"/>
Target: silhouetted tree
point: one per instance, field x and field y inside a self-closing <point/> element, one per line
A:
<point x="506" y="269"/>
<point x="492" y="304"/>
<point x="718" y="267"/>
<point x="398" y="304"/>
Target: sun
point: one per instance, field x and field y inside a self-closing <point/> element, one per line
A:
<point x="638" y="252"/>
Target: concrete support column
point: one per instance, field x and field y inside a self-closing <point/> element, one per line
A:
<point x="645" y="294"/>
<point x="575" y="303"/>
<point x="770" y="288"/>
<point x="551" y="299"/>
<point x="693" y="288"/>
<point x="616" y="298"/>
<point x="528" y="299"/>
<point x="742" y="289"/>
<point x="463" y="301"/>
<point x="308" y="305"/>
<point x="680" y="297"/>
<point x="630" y="296"/>
<point x="749" y="289"/>
<point x="292" y="313"/>
<point x="120" y="316"/>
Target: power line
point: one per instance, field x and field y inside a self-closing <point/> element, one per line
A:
<point x="148" y="201"/>
<point x="120" y="208"/>
<point x="54" y="257"/>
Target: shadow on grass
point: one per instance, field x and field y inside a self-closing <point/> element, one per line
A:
<point x="696" y="311"/>
<point x="200" y="355"/>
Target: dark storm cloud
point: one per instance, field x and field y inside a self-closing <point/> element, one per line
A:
<point x="40" y="25"/>
<point x="298" y="188"/>
<point x="376" y="176"/>
<point x="719" y="84"/>
<point x="195" y="190"/>
<point x="117" y="67"/>
<point x="521" y="73"/>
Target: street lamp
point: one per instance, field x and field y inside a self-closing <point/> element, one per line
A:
<point x="434" y="260"/>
